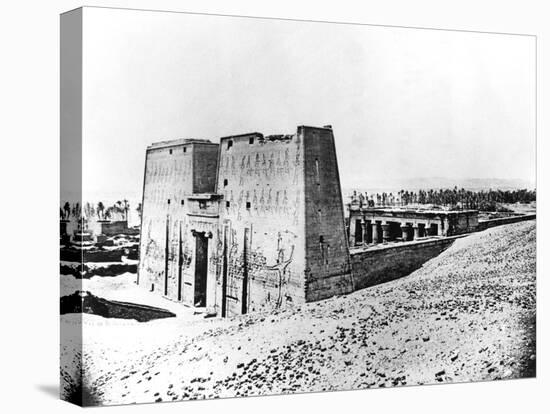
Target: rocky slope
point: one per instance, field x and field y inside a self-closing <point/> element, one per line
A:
<point x="467" y="315"/>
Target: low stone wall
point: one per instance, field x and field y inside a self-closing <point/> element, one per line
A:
<point x="486" y="224"/>
<point x="381" y="264"/>
<point x="85" y="302"/>
<point x="112" y="228"/>
<point x="384" y="263"/>
<point x="96" y="255"/>
<point x="83" y="271"/>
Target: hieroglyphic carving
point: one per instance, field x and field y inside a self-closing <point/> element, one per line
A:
<point x="234" y="278"/>
<point x="217" y="254"/>
<point x="280" y="267"/>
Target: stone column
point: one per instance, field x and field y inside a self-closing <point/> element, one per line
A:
<point x="364" y="231"/>
<point x="374" y="232"/>
<point x="416" y="232"/>
<point x="446" y="229"/>
<point x="385" y="232"/>
<point x="404" y="231"/>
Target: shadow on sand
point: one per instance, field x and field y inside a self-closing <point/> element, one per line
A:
<point x="51" y="390"/>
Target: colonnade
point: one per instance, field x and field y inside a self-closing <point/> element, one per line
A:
<point x="375" y="231"/>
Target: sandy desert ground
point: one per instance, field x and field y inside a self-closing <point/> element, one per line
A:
<point x="467" y="315"/>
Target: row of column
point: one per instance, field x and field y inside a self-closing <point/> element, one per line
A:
<point x="384" y="227"/>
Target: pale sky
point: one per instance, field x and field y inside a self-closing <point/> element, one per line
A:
<point x="402" y="102"/>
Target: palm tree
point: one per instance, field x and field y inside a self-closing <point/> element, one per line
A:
<point x="76" y="210"/>
<point x="67" y="209"/>
<point x="126" y="208"/>
<point x="88" y="209"/>
<point x="117" y="208"/>
<point x="100" y="209"/>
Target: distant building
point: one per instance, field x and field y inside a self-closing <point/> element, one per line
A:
<point x="255" y="222"/>
<point x="109" y="227"/>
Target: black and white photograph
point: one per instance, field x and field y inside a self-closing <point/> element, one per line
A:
<point x="258" y="206"/>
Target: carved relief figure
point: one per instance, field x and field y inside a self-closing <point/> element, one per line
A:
<point x="280" y="267"/>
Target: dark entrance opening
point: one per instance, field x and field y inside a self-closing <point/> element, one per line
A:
<point x="379" y="232"/>
<point x="201" y="269"/>
<point x="358" y="232"/>
<point x="409" y="232"/>
<point x="432" y="230"/>
<point x="422" y="230"/>
<point x="395" y="230"/>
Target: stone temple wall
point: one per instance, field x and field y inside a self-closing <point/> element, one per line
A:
<point x="380" y="265"/>
<point x="282" y="220"/>
<point x="253" y="224"/>
<point x="167" y="244"/>
<point x="261" y="182"/>
<point x="328" y="270"/>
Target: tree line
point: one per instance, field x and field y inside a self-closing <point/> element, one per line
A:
<point x="118" y="210"/>
<point x="486" y="200"/>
